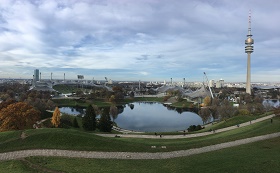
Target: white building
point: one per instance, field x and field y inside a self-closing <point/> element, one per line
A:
<point x="211" y="83"/>
<point x="220" y="83"/>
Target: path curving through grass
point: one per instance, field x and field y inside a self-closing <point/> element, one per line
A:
<point x="130" y="155"/>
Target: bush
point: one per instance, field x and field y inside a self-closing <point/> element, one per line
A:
<point x="165" y="98"/>
<point x="193" y="128"/>
<point x="65" y="121"/>
<point x="243" y="112"/>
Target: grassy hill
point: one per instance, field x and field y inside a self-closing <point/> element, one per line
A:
<point x="256" y="157"/>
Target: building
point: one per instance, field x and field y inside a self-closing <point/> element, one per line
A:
<point x="212" y="83"/>
<point x="36" y="75"/>
<point x="220" y="83"/>
<point x="249" y="49"/>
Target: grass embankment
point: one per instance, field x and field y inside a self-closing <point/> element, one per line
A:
<point x="258" y="157"/>
<point x="78" y="140"/>
<point x="182" y="104"/>
<point x="231" y="122"/>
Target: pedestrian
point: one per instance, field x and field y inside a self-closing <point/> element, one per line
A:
<point x="160" y="135"/>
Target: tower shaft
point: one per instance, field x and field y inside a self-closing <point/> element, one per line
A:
<point x="249" y="48"/>
<point x="248" y="80"/>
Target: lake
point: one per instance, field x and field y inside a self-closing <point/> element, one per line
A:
<point x="149" y="117"/>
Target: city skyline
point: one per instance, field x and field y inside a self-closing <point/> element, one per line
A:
<point x="150" y="40"/>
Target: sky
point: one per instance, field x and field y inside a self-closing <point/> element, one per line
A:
<point x="147" y="40"/>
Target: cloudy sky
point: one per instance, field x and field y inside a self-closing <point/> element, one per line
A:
<point x="149" y="40"/>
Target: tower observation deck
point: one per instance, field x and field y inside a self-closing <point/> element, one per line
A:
<point x="249" y="49"/>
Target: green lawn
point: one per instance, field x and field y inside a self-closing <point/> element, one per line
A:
<point x="182" y="104"/>
<point x="258" y="157"/>
<point x="232" y="122"/>
<point x="79" y="140"/>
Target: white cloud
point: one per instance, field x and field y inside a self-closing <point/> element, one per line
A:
<point x="156" y="39"/>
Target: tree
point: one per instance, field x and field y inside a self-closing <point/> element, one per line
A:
<point x="214" y="108"/>
<point x="105" y="123"/>
<point x="205" y="114"/>
<point x="114" y="112"/>
<point x="56" y="117"/>
<point x="89" y="120"/>
<point x="18" y="116"/>
<point x="226" y="110"/>
<point x="207" y="101"/>
<point x="75" y="123"/>
<point x="259" y="108"/>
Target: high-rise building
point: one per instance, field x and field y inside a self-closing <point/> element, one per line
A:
<point x="249" y="49"/>
<point x="36" y="75"/>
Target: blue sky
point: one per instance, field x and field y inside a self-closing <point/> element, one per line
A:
<point x="149" y="40"/>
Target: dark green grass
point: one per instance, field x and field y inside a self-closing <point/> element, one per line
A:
<point x="15" y="166"/>
<point x="72" y="139"/>
<point x="182" y="104"/>
<point x="258" y="157"/>
<point x="232" y="122"/>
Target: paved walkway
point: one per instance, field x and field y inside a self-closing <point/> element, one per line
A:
<point x="130" y="155"/>
<point x="188" y="135"/>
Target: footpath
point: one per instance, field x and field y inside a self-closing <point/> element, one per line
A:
<point x="126" y="135"/>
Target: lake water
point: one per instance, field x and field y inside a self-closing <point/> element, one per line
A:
<point x="149" y="117"/>
<point x="72" y="111"/>
<point x="155" y="117"/>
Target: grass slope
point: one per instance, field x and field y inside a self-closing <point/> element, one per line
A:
<point x="258" y="157"/>
<point x="72" y="139"/>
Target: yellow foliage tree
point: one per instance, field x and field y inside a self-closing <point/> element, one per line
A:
<point x="56" y="117"/>
<point x="207" y="101"/>
<point x="18" y="116"/>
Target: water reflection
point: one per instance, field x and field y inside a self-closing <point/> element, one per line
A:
<point x="72" y="110"/>
<point x="155" y="117"/>
<point x="149" y="117"/>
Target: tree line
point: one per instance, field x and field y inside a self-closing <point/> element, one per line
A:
<point x="223" y="109"/>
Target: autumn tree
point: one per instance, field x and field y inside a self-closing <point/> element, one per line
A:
<point x="56" y="117"/>
<point x="89" y="120"/>
<point x="207" y="101"/>
<point x="18" y="116"/>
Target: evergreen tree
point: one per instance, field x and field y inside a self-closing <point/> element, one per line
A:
<point x="89" y="120"/>
<point x="56" y="117"/>
<point x="75" y="123"/>
<point x="114" y="112"/>
<point x="105" y="123"/>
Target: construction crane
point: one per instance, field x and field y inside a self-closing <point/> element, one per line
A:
<point x="208" y="85"/>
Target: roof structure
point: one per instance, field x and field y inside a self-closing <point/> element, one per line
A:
<point x="200" y="93"/>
